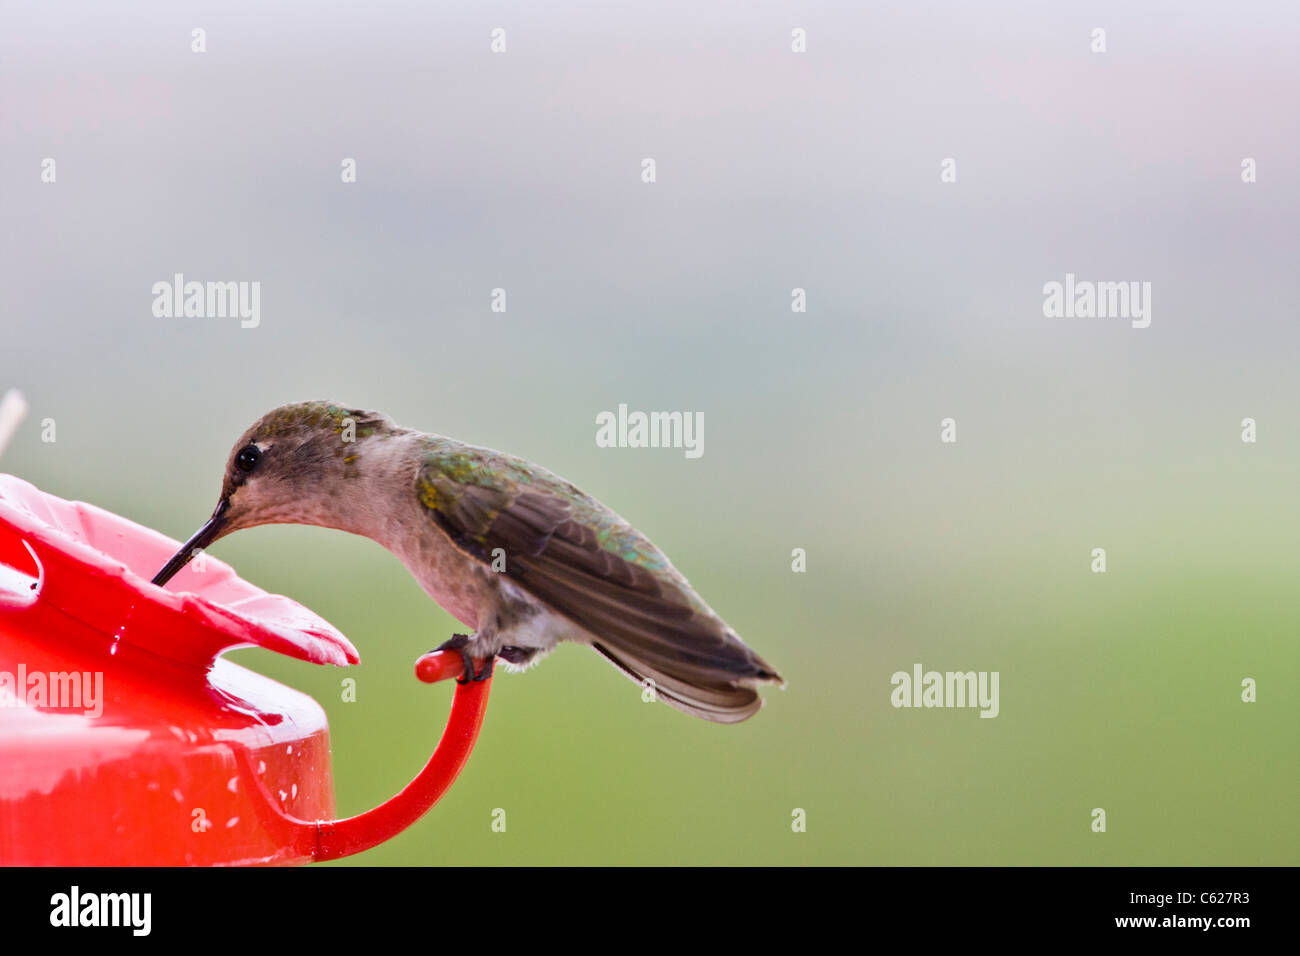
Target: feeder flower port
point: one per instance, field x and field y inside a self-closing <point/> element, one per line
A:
<point x="118" y="711"/>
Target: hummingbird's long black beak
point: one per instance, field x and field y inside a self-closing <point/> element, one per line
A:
<point x="200" y="540"/>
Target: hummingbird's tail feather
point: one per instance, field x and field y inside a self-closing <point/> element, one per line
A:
<point x="718" y="700"/>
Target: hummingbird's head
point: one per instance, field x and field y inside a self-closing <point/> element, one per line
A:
<point x="289" y="468"/>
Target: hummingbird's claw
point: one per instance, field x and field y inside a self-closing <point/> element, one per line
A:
<point x="470" y="675"/>
<point x="457" y="642"/>
<point x="467" y="663"/>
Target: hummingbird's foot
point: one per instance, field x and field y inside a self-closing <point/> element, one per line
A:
<point x="482" y="675"/>
<point x="458" y="643"/>
<point x="519" y="657"/>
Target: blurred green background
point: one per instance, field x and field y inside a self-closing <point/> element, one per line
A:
<point x="1118" y="690"/>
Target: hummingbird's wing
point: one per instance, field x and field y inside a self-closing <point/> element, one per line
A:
<point x="585" y="562"/>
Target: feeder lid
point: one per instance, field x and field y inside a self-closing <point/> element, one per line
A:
<point x="105" y="563"/>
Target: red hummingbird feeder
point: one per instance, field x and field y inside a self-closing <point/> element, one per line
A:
<point x="127" y="739"/>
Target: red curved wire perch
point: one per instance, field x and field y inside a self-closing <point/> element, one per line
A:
<point x="331" y="839"/>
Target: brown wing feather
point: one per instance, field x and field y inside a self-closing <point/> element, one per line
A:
<point x="646" y="626"/>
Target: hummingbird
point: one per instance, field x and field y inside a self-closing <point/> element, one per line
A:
<point x="517" y="554"/>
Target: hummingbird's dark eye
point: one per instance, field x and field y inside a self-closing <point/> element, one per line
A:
<point x="248" y="457"/>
